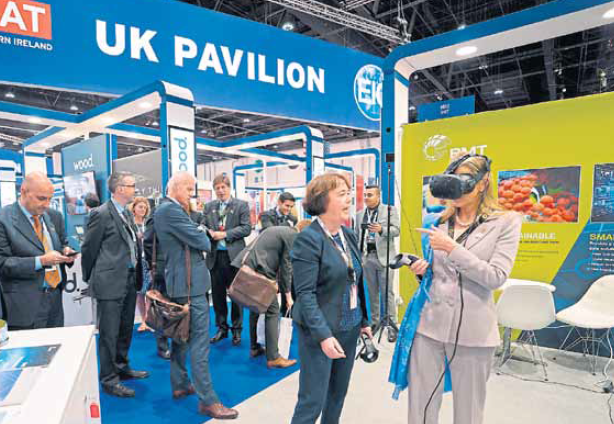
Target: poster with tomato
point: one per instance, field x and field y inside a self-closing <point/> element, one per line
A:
<point x="541" y="195"/>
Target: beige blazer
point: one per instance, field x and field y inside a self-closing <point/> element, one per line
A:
<point x="484" y="263"/>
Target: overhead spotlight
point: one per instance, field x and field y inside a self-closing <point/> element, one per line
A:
<point x="74" y="108"/>
<point x="246" y="120"/>
<point x="462" y="26"/>
<point x="609" y="14"/>
<point x="140" y="149"/>
<point x="9" y="95"/>
<point x="412" y="108"/>
<point x="498" y="91"/>
<point x="483" y="67"/>
<point x="155" y="123"/>
<point x="34" y="120"/>
<point x="203" y="131"/>
<point x="563" y="90"/>
<point x="466" y="50"/>
<point x="289" y="23"/>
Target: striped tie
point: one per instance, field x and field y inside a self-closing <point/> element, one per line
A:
<point x="52" y="278"/>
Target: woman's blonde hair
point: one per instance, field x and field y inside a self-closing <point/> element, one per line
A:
<point x="136" y="201"/>
<point x="488" y="203"/>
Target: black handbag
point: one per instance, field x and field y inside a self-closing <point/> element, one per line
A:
<point x="168" y="318"/>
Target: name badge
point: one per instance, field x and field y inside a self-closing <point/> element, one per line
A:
<point x="353" y="296"/>
<point x="52" y="269"/>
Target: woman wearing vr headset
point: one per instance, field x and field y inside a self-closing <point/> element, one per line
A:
<point x="330" y="307"/>
<point x="474" y="245"/>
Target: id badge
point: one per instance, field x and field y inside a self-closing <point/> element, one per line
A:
<point x="52" y="269"/>
<point x="353" y="296"/>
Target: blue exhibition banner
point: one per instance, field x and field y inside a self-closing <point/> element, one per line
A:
<point x="446" y="109"/>
<point x="114" y="47"/>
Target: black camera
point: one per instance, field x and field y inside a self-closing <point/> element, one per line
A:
<point x="369" y="352"/>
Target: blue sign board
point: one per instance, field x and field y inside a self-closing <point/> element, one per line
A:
<point x="114" y="47"/>
<point x="446" y="109"/>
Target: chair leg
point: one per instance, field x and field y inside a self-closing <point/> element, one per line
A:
<point x="541" y="357"/>
<point x="566" y="337"/>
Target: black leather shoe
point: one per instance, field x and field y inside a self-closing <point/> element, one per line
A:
<point x="236" y="337"/>
<point x="133" y="375"/>
<point x="164" y="354"/>
<point x="220" y="335"/>
<point x="392" y="336"/>
<point x="118" y="390"/>
<point x="254" y="352"/>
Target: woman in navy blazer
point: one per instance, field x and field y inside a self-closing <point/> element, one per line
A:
<point x="330" y="307"/>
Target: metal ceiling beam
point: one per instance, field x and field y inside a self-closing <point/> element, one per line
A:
<point x="341" y="17"/>
<point x="548" y="49"/>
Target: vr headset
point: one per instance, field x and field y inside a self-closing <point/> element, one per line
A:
<point x="450" y="186"/>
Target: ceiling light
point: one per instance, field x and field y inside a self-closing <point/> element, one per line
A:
<point x="483" y="67"/>
<point x="34" y="120"/>
<point x="10" y="95"/>
<point x="288" y="26"/>
<point x="412" y="108"/>
<point x="155" y="123"/>
<point x="564" y="90"/>
<point x="144" y="105"/>
<point x="108" y="120"/>
<point x="466" y="50"/>
<point x="462" y="26"/>
<point x="498" y="91"/>
<point x="203" y="131"/>
<point x="74" y="108"/>
<point x="609" y="14"/>
<point x="246" y="120"/>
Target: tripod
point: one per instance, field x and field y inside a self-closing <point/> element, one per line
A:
<point x="386" y="321"/>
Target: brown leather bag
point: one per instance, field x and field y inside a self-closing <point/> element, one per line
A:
<point x="251" y="289"/>
<point x="168" y="318"/>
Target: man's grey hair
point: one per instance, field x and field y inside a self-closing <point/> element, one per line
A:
<point x="116" y="179"/>
<point x="179" y="178"/>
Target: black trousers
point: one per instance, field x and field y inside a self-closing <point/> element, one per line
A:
<point x="115" y="325"/>
<point x="222" y="275"/>
<point x="323" y="382"/>
<point x="50" y="312"/>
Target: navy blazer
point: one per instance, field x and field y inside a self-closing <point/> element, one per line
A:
<point x="175" y="230"/>
<point x="238" y="226"/>
<point x="320" y="281"/>
<point x="19" y="245"/>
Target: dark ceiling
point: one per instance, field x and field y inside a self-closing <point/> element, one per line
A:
<point x="566" y="67"/>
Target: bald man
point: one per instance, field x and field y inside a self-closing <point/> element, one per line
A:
<point x="31" y="252"/>
<point x="179" y="236"/>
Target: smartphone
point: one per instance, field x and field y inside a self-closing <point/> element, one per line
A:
<point x="364" y="226"/>
<point x="72" y="254"/>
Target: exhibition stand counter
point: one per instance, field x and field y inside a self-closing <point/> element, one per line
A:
<point x="49" y="376"/>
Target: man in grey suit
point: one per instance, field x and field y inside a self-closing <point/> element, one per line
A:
<point x="29" y="258"/>
<point x="111" y="264"/>
<point x="372" y="230"/>
<point x="228" y="222"/>
<point x="182" y="243"/>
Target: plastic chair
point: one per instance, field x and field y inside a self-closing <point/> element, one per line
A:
<point x="526" y="307"/>
<point x="593" y="312"/>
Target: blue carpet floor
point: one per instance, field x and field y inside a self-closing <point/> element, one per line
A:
<point x="236" y="377"/>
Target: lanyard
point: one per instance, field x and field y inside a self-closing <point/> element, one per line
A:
<point x="342" y="252"/>
<point x="462" y="239"/>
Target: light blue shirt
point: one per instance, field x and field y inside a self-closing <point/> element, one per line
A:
<point x="37" y="260"/>
<point x="119" y="207"/>
<point x="221" y="244"/>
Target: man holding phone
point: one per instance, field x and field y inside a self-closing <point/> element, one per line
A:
<point x="371" y="226"/>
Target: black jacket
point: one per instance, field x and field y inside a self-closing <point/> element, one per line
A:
<point x="105" y="254"/>
<point x="238" y="226"/>
<point x="270" y="256"/>
<point x="270" y="219"/>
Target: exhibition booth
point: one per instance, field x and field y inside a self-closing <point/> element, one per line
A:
<point x="553" y="168"/>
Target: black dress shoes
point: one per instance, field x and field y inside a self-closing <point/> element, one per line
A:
<point x="236" y="337"/>
<point x="256" y="351"/>
<point x="133" y="375"/>
<point x="118" y="390"/>
<point x="164" y="354"/>
<point x="220" y="335"/>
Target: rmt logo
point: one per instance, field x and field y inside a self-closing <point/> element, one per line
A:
<point x="27" y="18"/>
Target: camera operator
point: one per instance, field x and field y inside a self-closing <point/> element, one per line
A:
<point x="474" y="246"/>
<point x="372" y="226"/>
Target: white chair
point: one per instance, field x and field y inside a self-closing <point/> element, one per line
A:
<point x="526" y="307"/>
<point x="593" y="312"/>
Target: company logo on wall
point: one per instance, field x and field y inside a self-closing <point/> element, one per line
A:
<point x="368" y="91"/>
<point x="25" y="18"/>
<point x="84" y="164"/>
<point x="435" y="147"/>
<point x="182" y="151"/>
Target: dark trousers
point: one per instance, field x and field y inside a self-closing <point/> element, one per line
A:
<point x="222" y="275"/>
<point x="115" y="325"/>
<point x="323" y="382"/>
<point x="271" y="328"/>
<point x="50" y="312"/>
<point x="198" y="346"/>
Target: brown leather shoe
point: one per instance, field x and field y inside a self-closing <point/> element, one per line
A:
<point x="178" y="394"/>
<point x="281" y="363"/>
<point x="218" y="411"/>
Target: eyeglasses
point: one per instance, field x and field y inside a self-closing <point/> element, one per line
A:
<point x="128" y="185"/>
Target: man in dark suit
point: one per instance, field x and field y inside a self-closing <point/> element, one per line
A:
<point x="111" y="264"/>
<point x="228" y="222"/>
<point x="187" y="280"/>
<point x="29" y="258"/>
<point x="57" y="219"/>
<point x="280" y="215"/>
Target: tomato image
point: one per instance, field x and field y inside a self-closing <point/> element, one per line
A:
<point x="546" y="200"/>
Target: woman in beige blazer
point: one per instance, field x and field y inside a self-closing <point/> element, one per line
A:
<point x="473" y="269"/>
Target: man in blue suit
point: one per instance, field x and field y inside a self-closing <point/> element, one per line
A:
<point x="182" y="243"/>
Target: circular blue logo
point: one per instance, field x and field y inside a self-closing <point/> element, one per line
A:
<point x="368" y="91"/>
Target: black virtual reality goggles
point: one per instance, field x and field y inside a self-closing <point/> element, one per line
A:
<point x="450" y="186"/>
